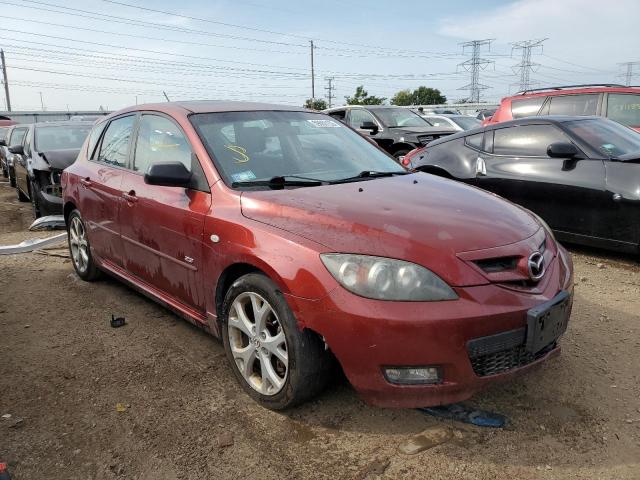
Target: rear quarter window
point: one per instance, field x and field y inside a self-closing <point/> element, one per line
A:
<point x="573" y="105"/>
<point x="624" y="108"/>
<point x="474" y="141"/>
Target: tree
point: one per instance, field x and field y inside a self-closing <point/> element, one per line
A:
<point x="428" y="96"/>
<point x="317" y="104"/>
<point x="362" y="97"/>
<point x="420" y="96"/>
<point x="402" y="98"/>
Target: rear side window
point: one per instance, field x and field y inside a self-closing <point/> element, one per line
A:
<point x="573" y="104"/>
<point x="474" y="141"/>
<point x="526" y="107"/>
<point x="624" y="108"/>
<point x="94" y="136"/>
<point x="526" y="140"/>
<point x="116" y="140"/>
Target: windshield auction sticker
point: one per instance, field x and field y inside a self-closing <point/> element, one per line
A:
<point x="324" y="123"/>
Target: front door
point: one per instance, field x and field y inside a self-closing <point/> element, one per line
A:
<point x="566" y="193"/>
<point x="162" y="227"/>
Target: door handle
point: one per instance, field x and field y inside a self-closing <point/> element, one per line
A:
<point x="85" y="182"/>
<point x="130" y="197"/>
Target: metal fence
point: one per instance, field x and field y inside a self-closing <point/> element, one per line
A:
<point x="44" y="116"/>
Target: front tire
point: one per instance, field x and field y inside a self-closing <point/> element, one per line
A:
<point x="79" y="248"/>
<point x="35" y="201"/>
<point x="21" y="196"/>
<point x="275" y="362"/>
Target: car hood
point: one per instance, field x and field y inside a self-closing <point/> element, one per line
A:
<point x="60" y="159"/>
<point x="420" y="218"/>
<point x="421" y="130"/>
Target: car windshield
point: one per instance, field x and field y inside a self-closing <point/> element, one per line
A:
<point x="260" y="145"/>
<point x="400" y="117"/>
<point x="608" y="137"/>
<point x="60" y="137"/>
<point x="465" y="122"/>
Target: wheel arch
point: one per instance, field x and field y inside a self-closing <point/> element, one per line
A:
<point x="435" y="170"/>
<point x="69" y="207"/>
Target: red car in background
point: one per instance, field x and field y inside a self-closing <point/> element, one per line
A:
<point x="287" y="234"/>
<point x="615" y="102"/>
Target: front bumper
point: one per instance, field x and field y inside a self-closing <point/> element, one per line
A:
<point x="368" y="335"/>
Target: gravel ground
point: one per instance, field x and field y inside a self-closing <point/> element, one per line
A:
<point x="156" y="399"/>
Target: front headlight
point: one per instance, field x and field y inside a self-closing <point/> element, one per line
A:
<point x="386" y="279"/>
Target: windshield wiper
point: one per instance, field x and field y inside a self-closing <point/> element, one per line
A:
<point x="281" y="181"/>
<point x="370" y="174"/>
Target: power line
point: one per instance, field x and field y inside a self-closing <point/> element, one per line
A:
<point x="474" y="65"/>
<point x="526" y="66"/>
<point x="628" y="75"/>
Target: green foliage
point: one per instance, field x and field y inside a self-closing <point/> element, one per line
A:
<point x="420" y="96"/>
<point x="362" y="97"/>
<point x="317" y="104"/>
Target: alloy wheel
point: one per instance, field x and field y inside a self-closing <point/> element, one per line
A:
<point x="78" y="244"/>
<point x="258" y="343"/>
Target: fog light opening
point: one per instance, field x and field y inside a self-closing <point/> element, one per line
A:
<point x="429" y="375"/>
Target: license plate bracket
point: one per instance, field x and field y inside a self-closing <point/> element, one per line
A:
<point x="547" y="321"/>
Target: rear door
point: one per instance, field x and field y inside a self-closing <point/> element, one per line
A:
<point x="567" y="194"/>
<point x="100" y="191"/>
<point x="162" y="227"/>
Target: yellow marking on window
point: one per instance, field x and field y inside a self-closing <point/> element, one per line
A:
<point x="244" y="158"/>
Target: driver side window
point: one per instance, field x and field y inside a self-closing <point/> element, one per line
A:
<point x="358" y="116"/>
<point x="526" y="140"/>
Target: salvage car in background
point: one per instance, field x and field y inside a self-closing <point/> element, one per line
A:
<point x="396" y="130"/>
<point x="615" y="102"/>
<point x="47" y="149"/>
<point x="581" y="174"/>
<point x="15" y="137"/>
<point x="456" y="122"/>
<point x="289" y="235"/>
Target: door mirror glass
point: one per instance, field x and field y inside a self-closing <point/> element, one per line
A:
<point x="17" y="150"/>
<point x="168" y="174"/>
<point x="369" y="125"/>
<point x="562" y="150"/>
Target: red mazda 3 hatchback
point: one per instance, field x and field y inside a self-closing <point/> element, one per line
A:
<point x="296" y="241"/>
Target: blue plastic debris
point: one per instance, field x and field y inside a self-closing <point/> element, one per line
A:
<point x="462" y="413"/>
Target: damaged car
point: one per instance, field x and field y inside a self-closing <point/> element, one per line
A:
<point x="47" y="149"/>
<point x="287" y="234"/>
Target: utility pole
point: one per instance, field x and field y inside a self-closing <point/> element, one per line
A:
<point x="628" y="76"/>
<point x="6" y="82"/>
<point x="526" y="66"/>
<point x="329" y="89"/>
<point x="165" y="95"/>
<point x="474" y="65"/>
<point x="41" y="101"/>
<point x="313" y="74"/>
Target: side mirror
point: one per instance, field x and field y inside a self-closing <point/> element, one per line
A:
<point x="369" y="125"/>
<point x="3" y="142"/>
<point x="168" y="174"/>
<point x="562" y="150"/>
<point x="17" y="150"/>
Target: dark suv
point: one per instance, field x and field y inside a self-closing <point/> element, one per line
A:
<point x="47" y="149"/>
<point x="615" y="102"/>
<point x="395" y="129"/>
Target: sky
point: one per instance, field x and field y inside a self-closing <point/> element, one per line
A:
<point x="83" y="55"/>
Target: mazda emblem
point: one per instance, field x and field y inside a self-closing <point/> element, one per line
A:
<point x="535" y="266"/>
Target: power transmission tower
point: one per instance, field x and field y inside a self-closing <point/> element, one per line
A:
<point x="6" y="82"/>
<point x="313" y="74"/>
<point x="628" y="75"/>
<point x="526" y="66"/>
<point x="474" y="65"/>
<point x="329" y="89"/>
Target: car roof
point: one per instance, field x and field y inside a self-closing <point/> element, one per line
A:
<point x="208" y="106"/>
<point x="367" y="107"/>
<point x="577" y="89"/>
<point x="61" y="123"/>
<point x="513" y="123"/>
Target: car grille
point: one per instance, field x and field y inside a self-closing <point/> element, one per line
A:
<point x="502" y="352"/>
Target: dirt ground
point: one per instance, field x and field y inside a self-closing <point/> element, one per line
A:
<point x="156" y="399"/>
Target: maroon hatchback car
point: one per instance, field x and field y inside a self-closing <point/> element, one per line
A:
<point x="298" y="242"/>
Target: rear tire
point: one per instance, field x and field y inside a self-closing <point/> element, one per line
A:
<point x="80" y="250"/>
<point x="256" y="356"/>
<point x="12" y="178"/>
